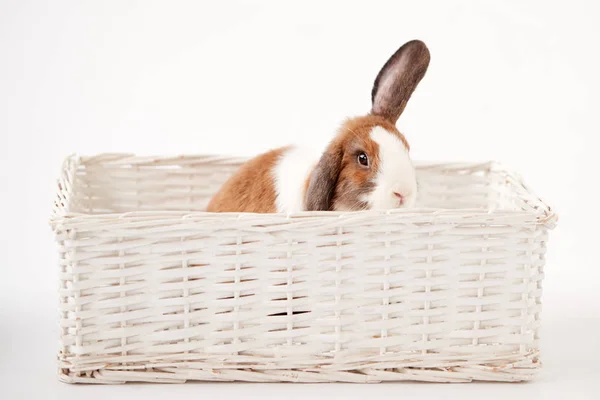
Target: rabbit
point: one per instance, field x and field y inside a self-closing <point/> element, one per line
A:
<point x="365" y="166"/>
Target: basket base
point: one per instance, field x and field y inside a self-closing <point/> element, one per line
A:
<point x="524" y="369"/>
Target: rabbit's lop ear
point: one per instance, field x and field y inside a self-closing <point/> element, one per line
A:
<point x="323" y="180"/>
<point x="398" y="79"/>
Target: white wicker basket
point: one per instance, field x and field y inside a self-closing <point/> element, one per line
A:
<point x="154" y="289"/>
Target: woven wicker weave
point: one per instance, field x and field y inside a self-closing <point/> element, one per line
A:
<point x="153" y="289"/>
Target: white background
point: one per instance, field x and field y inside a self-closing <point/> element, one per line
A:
<point x="514" y="81"/>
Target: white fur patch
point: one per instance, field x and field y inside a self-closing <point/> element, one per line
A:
<point x="396" y="173"/>
<point x="290" y="175"/>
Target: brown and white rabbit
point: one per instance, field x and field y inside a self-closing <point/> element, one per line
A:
<point x="365" y="166"/>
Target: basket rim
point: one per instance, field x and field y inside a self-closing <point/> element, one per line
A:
<point x="542" y="212"/>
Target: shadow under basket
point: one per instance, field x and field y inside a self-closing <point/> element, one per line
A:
<point x="154" y="289"/>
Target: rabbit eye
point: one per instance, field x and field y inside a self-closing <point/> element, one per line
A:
<point x="363" y="159"/>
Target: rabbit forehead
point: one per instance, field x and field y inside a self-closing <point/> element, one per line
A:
<point x="360" y="128"/>
<point x="393" y="153"/>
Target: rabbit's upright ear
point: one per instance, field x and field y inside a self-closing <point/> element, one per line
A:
<point x="398" y="79"/>
<point x="323" y="180"/>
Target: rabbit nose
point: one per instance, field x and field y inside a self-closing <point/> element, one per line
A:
<point x="399" y="196"/>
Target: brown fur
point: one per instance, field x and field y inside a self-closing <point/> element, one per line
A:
<point x="251" y="188"/>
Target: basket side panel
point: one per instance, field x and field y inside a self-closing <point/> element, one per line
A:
<point x="121" y="183"/>
<point x="355" y="299"/>
<point x="457" y="186"/>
